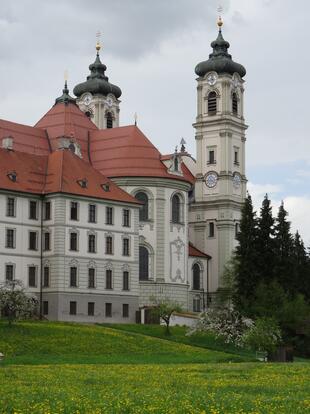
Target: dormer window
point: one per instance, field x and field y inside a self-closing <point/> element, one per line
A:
<point x="83" y="183"/>
<point x="105" y="187"/>
<point x="109" y="120"/>
<point x="12" y="176"/>
<point x="235" y="103"/>
<point x="212" y="103"/>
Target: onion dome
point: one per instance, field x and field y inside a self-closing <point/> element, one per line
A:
<point x="65" y="97"/>
<point x="97" y="82"/>
<point x="220" y="60"/>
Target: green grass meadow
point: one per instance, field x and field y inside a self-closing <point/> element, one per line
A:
<point x="54" y="368"/>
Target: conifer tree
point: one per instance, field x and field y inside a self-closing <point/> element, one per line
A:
<point x="266" y="242"/>
<point x="302" y="266"/>
<point x="246" y="258"/>
<point x="284" y="252"/>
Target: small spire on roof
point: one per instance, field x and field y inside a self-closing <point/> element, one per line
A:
<point x="182" y="143"/>
<point x="135" y="118"/>
<point x="65" y="97"/>
<point x="98" y="43"/>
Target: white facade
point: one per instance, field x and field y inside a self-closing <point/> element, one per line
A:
<point x="220" y="170"/>
<point x="59" y="258"/>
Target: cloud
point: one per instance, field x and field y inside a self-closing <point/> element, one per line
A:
<point x="299" y="215"/>
<point x="298" y="207"/>
<point x="258" y="191"/>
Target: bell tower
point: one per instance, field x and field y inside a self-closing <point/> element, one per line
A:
<point x="97" y="97"/>
<point x="220" y="186"/>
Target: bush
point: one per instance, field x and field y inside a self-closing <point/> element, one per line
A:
<point x="264" y="335"/>
<point x="15" y="303"/>
<point x="225" y="324"/>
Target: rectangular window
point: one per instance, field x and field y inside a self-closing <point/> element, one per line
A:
<point x="73" y="241"/>
<point x="126" y="247"/>
<point x="211" y="229"/>
<point x="46" y="276"/>
<point x="109" y="215"/>
<point x="109" y="245"/>
<point x="10" y="207"/>
<point x="236" y="158"/>
<point x="91" y="308"/>
<point x="125" y="280"/>
<point x="73" y="276"/>
<point x="72" y="308"/>
<point x="91" y="278"/>
<point x="197" y="305"/>
<point x="47" y="210"/>
<point x="47" y="241"/>
<point x="10" y="239"/>
<point x="33" y="210"/>
<point x="108" y="310"/>
<point x="125" y="310"/>
<point x="211" y="157"/>
<point x="9" y="273"/>
<point x="45" y="307"/>
<point x="237" y="230"/>
<point x="74" y="210"/>
<point x="108" y="279"/>
<point x="92" y="213"/>
<point x="32" y="276"/>
<point x="91" y="243"/>
<point x="126" y="218"/>
<point x="32" y="240"/>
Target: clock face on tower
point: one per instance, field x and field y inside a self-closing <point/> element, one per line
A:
<point x="236" y="180"/>
<point x="211" y="179"/>
<point x="87" y="99"/>
<point x="212" y="78"/>
<point x="109" y="101"/>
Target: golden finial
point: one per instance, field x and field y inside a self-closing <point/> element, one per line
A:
<point x="219" y="20"/>
<point x="98" y="45"/>
<point x="66" y="75"/>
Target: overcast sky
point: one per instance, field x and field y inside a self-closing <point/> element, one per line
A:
<point x="151" y="49"/>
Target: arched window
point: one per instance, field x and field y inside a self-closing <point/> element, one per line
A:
<point x="235" y="104"/>
<point x="109" y="120"/>
<point x="212" y="104"/>
<point x="143" y="263"/>
<point x="144" y="211"/>
<point x="176" y="209"/>
<point x="196" y="277"/>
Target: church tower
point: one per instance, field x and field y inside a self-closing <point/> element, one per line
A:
<point x="220" y="186"/>
<point x="97" y="97"/>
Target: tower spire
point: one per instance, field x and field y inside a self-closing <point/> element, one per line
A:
<point x="65" y="97"/>
<point x="219" y="19"/>
<point x="98" y="43"/>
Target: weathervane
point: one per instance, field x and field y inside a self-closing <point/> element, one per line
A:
<point x="98" y="44"/>
<point x="219" y="20"/>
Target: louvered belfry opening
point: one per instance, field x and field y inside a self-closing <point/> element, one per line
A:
<point x="235" y="104"/>
<point x="212" y="104"/>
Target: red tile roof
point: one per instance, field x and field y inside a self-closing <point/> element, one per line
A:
<point x="65" y="170"/>
<point x="57" y="173"/>
<point x="194" y="252"/>
<point x="116" y="152"/>
<point x="69" y="121"/>
<point x="127" y="152"/>
<point x="26" y="138"/>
